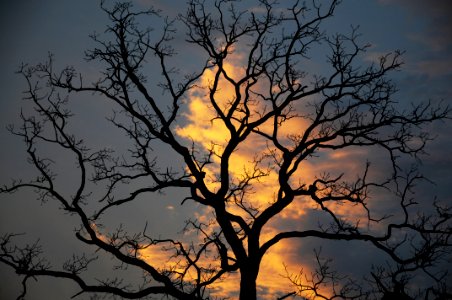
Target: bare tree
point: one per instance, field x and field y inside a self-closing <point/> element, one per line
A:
<point x="350" y="106"/>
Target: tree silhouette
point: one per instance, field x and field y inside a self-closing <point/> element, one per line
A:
<point x="258" y="92"/>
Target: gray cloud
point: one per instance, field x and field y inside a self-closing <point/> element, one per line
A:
<point x="432" y="31"/>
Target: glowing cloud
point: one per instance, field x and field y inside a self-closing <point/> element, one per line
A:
<point x="207" y="131"/>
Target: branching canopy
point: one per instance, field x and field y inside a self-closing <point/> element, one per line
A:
<point x="244" y="158"/>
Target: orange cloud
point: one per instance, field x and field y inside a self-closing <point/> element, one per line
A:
<point x="209" y="133"/>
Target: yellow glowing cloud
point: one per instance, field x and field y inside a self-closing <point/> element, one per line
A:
<point x="207" y="130"/>
<point x="210" y="134"/>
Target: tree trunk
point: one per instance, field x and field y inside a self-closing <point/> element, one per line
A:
<point x="248" y="276"/>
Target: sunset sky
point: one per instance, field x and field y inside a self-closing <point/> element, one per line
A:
<point x="30" y="29"/>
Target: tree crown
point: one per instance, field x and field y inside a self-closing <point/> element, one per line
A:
<point x="251" y="133"/>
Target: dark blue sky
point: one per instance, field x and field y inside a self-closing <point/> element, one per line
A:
<point x="29" y="29"/>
